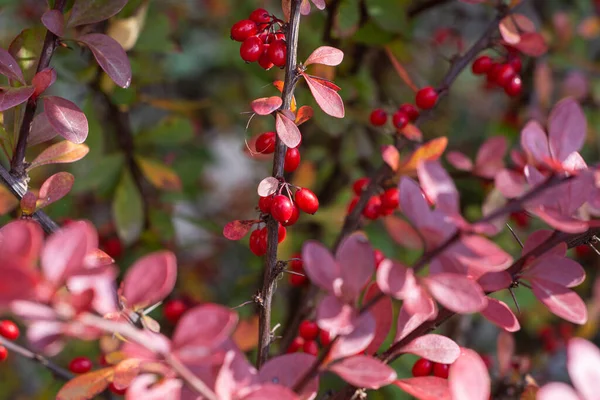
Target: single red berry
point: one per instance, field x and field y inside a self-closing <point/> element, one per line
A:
<point x="359" y="185"/>
<point x="113" y="247"/>
<point x="521" y="219"/>
<point x="505" y="74"/>
<point x="583" y="251"/>
<point x="324" y="337"/>
<point x="426" y="98"/>
<point x="410" y="110"/>
<point x="441" y="370"/>
<point x="390" y="198"/>
<point x="384" y="212"/>
<point x="482" y="65"/>
<point x="352" y="204"/>
<point x="294" y="217"/>
<point x="264" y="204"/>
<point x="260" y="15"/>
<point x="114" y="389"/>
<point x="379" y="257"/>
<point x="9" y="330"/>
<point x="264" y="61"/>
<point x="262" y="239"/>
<point x="251" y="49"/>
<point x="292" y="160"/>
<point x="400" y="119"/>
<point x="307" y="201"/>
<point x="493" y="72"/>
<point x="243" y="29"/>
<point x="311" y="347"/>
<point x="80" y="365"/>
<point x="281" y="233"/>
<point x="255" y="243"/>
<point x="174" y="309"/>
<point x="422" y="367"/>
<point x="514" y="87"/>
<point x="265" y="143"/>
<point x="516" y="63"/>
<point x="3" y="353"/>
<point x="378" y="117"/>
<point x="296" y="345"/>
<point x="278" y="52"/>
<point x="309" y="330"/>
<point x="282" y="208"/>
<point x="371" y="210"/>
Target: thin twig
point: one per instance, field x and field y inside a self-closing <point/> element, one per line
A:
<point x="56" y="370"/>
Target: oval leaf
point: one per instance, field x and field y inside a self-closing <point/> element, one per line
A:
<point x="325" y="55"/>
<point x="286" y="369"/>
<point x="469" y="378"/>
<point x="86" y="386"/>
<point x="328" y="99"/>
<point x="9" y="66"/>
<point x="60" y="153"/>
<point x="456" y="292"/>
<point x="159" y="175"/>
<point x="66" y="118"/>
<point x="11" y="97"/>
<point x="561" y="301"/>
<point x="128" y="209"/>
<point x="235" y="230"/>
<point x="583" y="358"/>
<point x="43" y="80"/>
<point x="357" y="341"/>
<point x="436" y="348"/>
<point x="383" y="312"/>
<point x="425" y="387"/>
<point x="55" y="188"/>
<point x="54" y="21"/>
<point x="110" y="56"/>
<point x="92" y="11"/>
<point x="268" y="186"/>
<point x="497" y="312"/>
<point x="567" y="128"/>
<point x="266" y="105"/>
<point x="41" y="130"/>
<point x="287" y="130"/>
<point x="402" y="232"/>
<point x="431" y="150"/>
<point x="364" y="371"/>
<point x="150" y="279"/>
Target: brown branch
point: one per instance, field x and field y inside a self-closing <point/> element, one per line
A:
<point x="56" y="370"/>
<point x="415" y="9"/>
<point x="268" y="286"/>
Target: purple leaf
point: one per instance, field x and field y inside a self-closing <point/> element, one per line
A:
<point x="392" y="278"/>
<point x="557" y="391"/>
<point x="438" y="186"/>
<point x="383" y="312"/>
<point x="510" y="183"/>
<point x="325" y="55"/>
<point x="268" y="186"/>
<point x="9" y="67"/>
<point x="364" y="371"/>
<point x="436" y="348"/>
<point x="66" y="118"/>
<point x="557" y="269"/>
<point x="266" y="105"/>
<point x="357" y="263"/>
<point x="17" y="283"/>
<point x="409" y="322"/>
<point x="490" y="157"/>
<point x="425" y="387"/>
<point x="11" y="97"/>
<point x="92" y="11"/>
<point x="567" y="128"/>
<point x="459" y="161"/>
<point x="271" y="391"/>
<point x="60" y="153"/>
<point x="456" y="292"/>
<point x="535" y="142"/>
<point x="235" y="373"/>
<point x="287" y="130"/>
<point x="110" y="56"/>
<point x="561" y="301"/>
<point x="335" y="316"/>
<point x="150" y="279"/>
<point x="357" y="341"/>
<point x="286" y="369"/>
<point x="145" y="386"/>
<point x="402" y="232"/>
<point x="469" y="378"/>
<point x="327" y="98"/>
<point x="319" y="265"/>
<point x="54" y="21"/>
<point x="55" y="188"/>
<point x="497" y="312"/>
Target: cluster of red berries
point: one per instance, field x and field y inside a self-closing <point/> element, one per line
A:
<point x="10" y="331"/>
<point x="424" y="367"/>
<point x="425" y="99"/>
<point x="265" y="144"/>
<point x="553" y="338"/>
<point x="262" y="39"/>
<point x="503" y="74"/>
<point x="377" y="206"/>
<point x="308" y="333"/>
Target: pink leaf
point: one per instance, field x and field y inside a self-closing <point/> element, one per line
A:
<point x="490" y="157"/>
<point x="287" y="130"/>
<point x="412" y="202"/>
<point x="560" y="221"/>
<point x="89" y="12"/>
<point x="328" y="99"/>
<point x="557" y="269"/>
<point x="583" y="359"/>
<point x="271" y="391"/>
<point x="364" y="371"/>
<point x="407" y="323"/>
<point x="66" y="118"/>
<point x="235" y="230"/>
<point x="17" y="283"/>
<point x="110" y="56"/>
<point x="150" y="279"/>
<point x="268" y="186"/>
<point x="145" y="386"/>
<point x="510" y="183"/>
<point x="505" y="352"/>
<point x="325" y="55"/>
<point x="425" y="387"/>
<point x="436" y="348"/>
<point x="41" y="130"/>
<point x="43" y="80"/>
<point x="383" y="312"/>
<point x="438" y="186"/>
<point x="21" y="241"/>
<point x="61" y="152"/>
<point x="286" y="369"/>
<point x="54" y="21"/>
<point x="392" y="278"/>
<point x="557" y="391"/>
<point x="320" y="4"/>
<point x="9" y="67"/>
<point x="335" y="316"/>
<point x="11" y="97"/>
<point x="266" y="105"/>
<point x="481" y="254"/>
<point x="561" y="301"/>
<point x="402" y="232"/>
<point x="567" y="128"/>
<point x="235" y="374"/>
<point x="319" y="265"/>
<point x="497" y="312"/>
<point x="532" y="44"/>
<point x="417" y="300"/>
<point x="391" y="156"/>
<point x="537" y="238"/>
<point x="356" y="260"/>
<point x="534" y="141"/>
<point x="494" y="281"/>
<point x="55" y="188"/>
<point x="469" y="378"/>
<point x="457" y="293"/>
<point x="459" y="161"/>
<point x="357" y="341"/>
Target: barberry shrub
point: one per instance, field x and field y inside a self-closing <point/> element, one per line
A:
<point x="391" y="225"/>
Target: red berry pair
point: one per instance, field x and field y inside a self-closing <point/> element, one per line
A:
<point x="502" y="74"/>
<point x="10" y="331"/>
<point x="424" y="367"/>
<point x="297" y="266"/>
<point x="406" y="113"/>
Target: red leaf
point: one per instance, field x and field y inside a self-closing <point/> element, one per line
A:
<point x="268" y="186"/>
<point x="402" y="232"/>
<point x="327" y="98"/>
<point x="436" y="348"/>
<point x="532" y="44"/>
<point x="429" y="151"/>
<point x="25" y="240"/>
<point x="400" y="70"/>
<point x="325" y="82"/>
<point x="583" y="358"/>
<point x="357" y="263"/>
<point x="66" y="118"/>
<point x="17" y="283"/>
<point x="383" y="312"/>
<point x="235" y="373"/>
<point x="110" y="56"/>
<point x="469" y="378"/>
<point x="500" y="314"/>
<point x="558" y="269"/>
<point x="55" y="188"/>
<point x="357" y="341"/>
<point x="409" y="322"/>
<point x="266" y="105"/>
<point x="146" y="387"/>
<point x="561" y="301"/>
<point x="126" y="371"/>
<point x="567" y="128"/>
<point x="364" y="371"/>
<point x="456" y="292"/>
<point x="392" y="278"/>
<point x="89" y="12"/>
<point x="27" y="203"/>
<point x="11" y="97"/>
<point x="287" y="130"/>
<point x="9" y="67"/>
<point x="286" y="369"/>
<point x="425" y="387"/>
<point x="412" y="132"/>
<point x="61" y="152"/>
<point x="86" y="386"/>
<point x="391" y="156"/>
<point x="505" y="352"/>
<point x="150" y="279"/>
<point x="438" y="186"/>
<point x="54" y="21"/>
<point x="42" y="80"/>
<point x="325" y="55"/>
<point x="235" y="230"/>
<point x="41" y="130"/>
<point x="304" y="114"/>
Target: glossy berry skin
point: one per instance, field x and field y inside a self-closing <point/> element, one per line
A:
<point x="378" y="117"/>
<point x="311" y="347"/>
<point x="113" y="389"/>
<point x="514" y="87"/>
<point x="324" y="338"/>
<point x="309" y="330"/>
<point x="282" y="208"/>
<point x="493" y="72"/>
<point x="307" y="201"/>
<point x="294" y="217"/>
<point x="296" y="345"/>
<point x="482" y="65"/>
<point x="174" y="309"/>
<point x="265" y="143"/>
<point x="292" y="160"/>
<point x="359" y="185"/>
<point x="441" y="370"/>
<point x="400" y="119"/>
<point x="505" y="74"/>
<point x="80" y="365"/>
<point x="3" y="353"/>
<point x="409" y="110"/>
<point x="422" y="367"/>
<point x="277" y="53"/>
<point x="379" y="257"/>
<point x="264" y="204"/>
<point x="516" y="63"/>
<point x="281" y="233"/>
<point x="260" y="15"/>
<point x="264" y="61"/>
<point x="255" y="243"/>
<point x="371" y="210"/>
<point x="390" y="199"/>
<point x="251" y="49"/>
<point x="9" y="330"/>
<point x="426" y="98"/>
<point x="243" y="29"/>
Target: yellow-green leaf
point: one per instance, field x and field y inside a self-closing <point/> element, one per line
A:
<point x="61" y="152"/>
<point x="158" y="174"/>
<point x="128" y="209"/>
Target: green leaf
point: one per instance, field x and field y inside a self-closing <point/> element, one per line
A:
<point x="128" y="209"/>
<point x="103" y="176"/>
<point x="171" y="131"/>
<point x="388" y="14"/>
<point x="348" y="17"/>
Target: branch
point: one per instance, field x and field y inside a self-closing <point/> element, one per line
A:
<point x="22" y="351"/>
<point x="416" y="9"/>
<point x="268" y="286"/>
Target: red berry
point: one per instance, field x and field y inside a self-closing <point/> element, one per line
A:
<point x="410" y="110"/>
<point x="583" y="251"/>
<point x="174" y="309"/>
<point x="278" y="52"/>
<point x="102" y="361"/>
<point x="80" y="365"/>
<point x="9" y="330"/>
<point x="426" y="98"/>
<point x="294" y="217"/>
<point x="3" y="353"/>
<point x="422" y="367"/>
<point x="255" y="243"/>
<point x="260" y="15"/>
<point x="113" y="247"/>
<point x="400" y="119"/>
<point x="309" y="330"/>
<point x="521" y="219"/>
<point x="371" y="210"/>
<point x="311" y="347"/>
<point x="264" y="204"/>
<point x="282" y="208"/>
<point x="307" y="201"/>
<point x="516" y="63"/>
<point x="441" y="370"/>
<point x="265" y="143"/>
<point x="514" y="87"/>
<point x="296" y="266"/>
<point x="550" y="345"/>
<point x="251" y="49"/>
<point x="279" y="36"/>
<point x="379" y="257"/>
<point x="292" y="160"/>
<point x="390" y="198"/>
<point x="281" y="233"/>
<point x="114" y="389"/>
<point x="492" y="74"/>
<point x="546" y="332"/>
<point x="296" y="345"/>
<point x="378" y="117"/>
<point x="262" y="239"/>
<point x="264" y="61"/>
<point x="352" y="204"/>
<point x="482" y="65"/>
<point x="243" y="29"/>
<point x="359" y="185"/>
<point x="505" y="74"/>
<point x="324" y="337"/>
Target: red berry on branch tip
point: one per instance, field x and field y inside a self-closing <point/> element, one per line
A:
<point x="307" y="201"/>
<point x="378" y="117"/>
<point x="309" y="330"/>
<point x="352" y="204"/>
<point x="264" y="61"/>
<point x="516" y="63"/>
<point x="113" y="247"/>
<point x="324" y="337"/>
<point x="441" y="370"/>
<point x="260" y="15"/>
<point x="426" y="98"/>
<point x="9" y="330"/>
<point x="505" y="74"/>
<point x="371" y="210"/>
<point x="277" y="53"/>
<point x="294" y="217"/>
<point x="281" y="233"/>
<point x="359" y="185"/>
<point x="514" y="87"/>
<point x="243" y="29"/>
<point x="265" y="143"/>
<point x="422" y="367"/>
<point x="264" y="204"/>
<point x="80" y="365"/>
<point x="390" y="198"/>
<point x="3" y="353"/>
